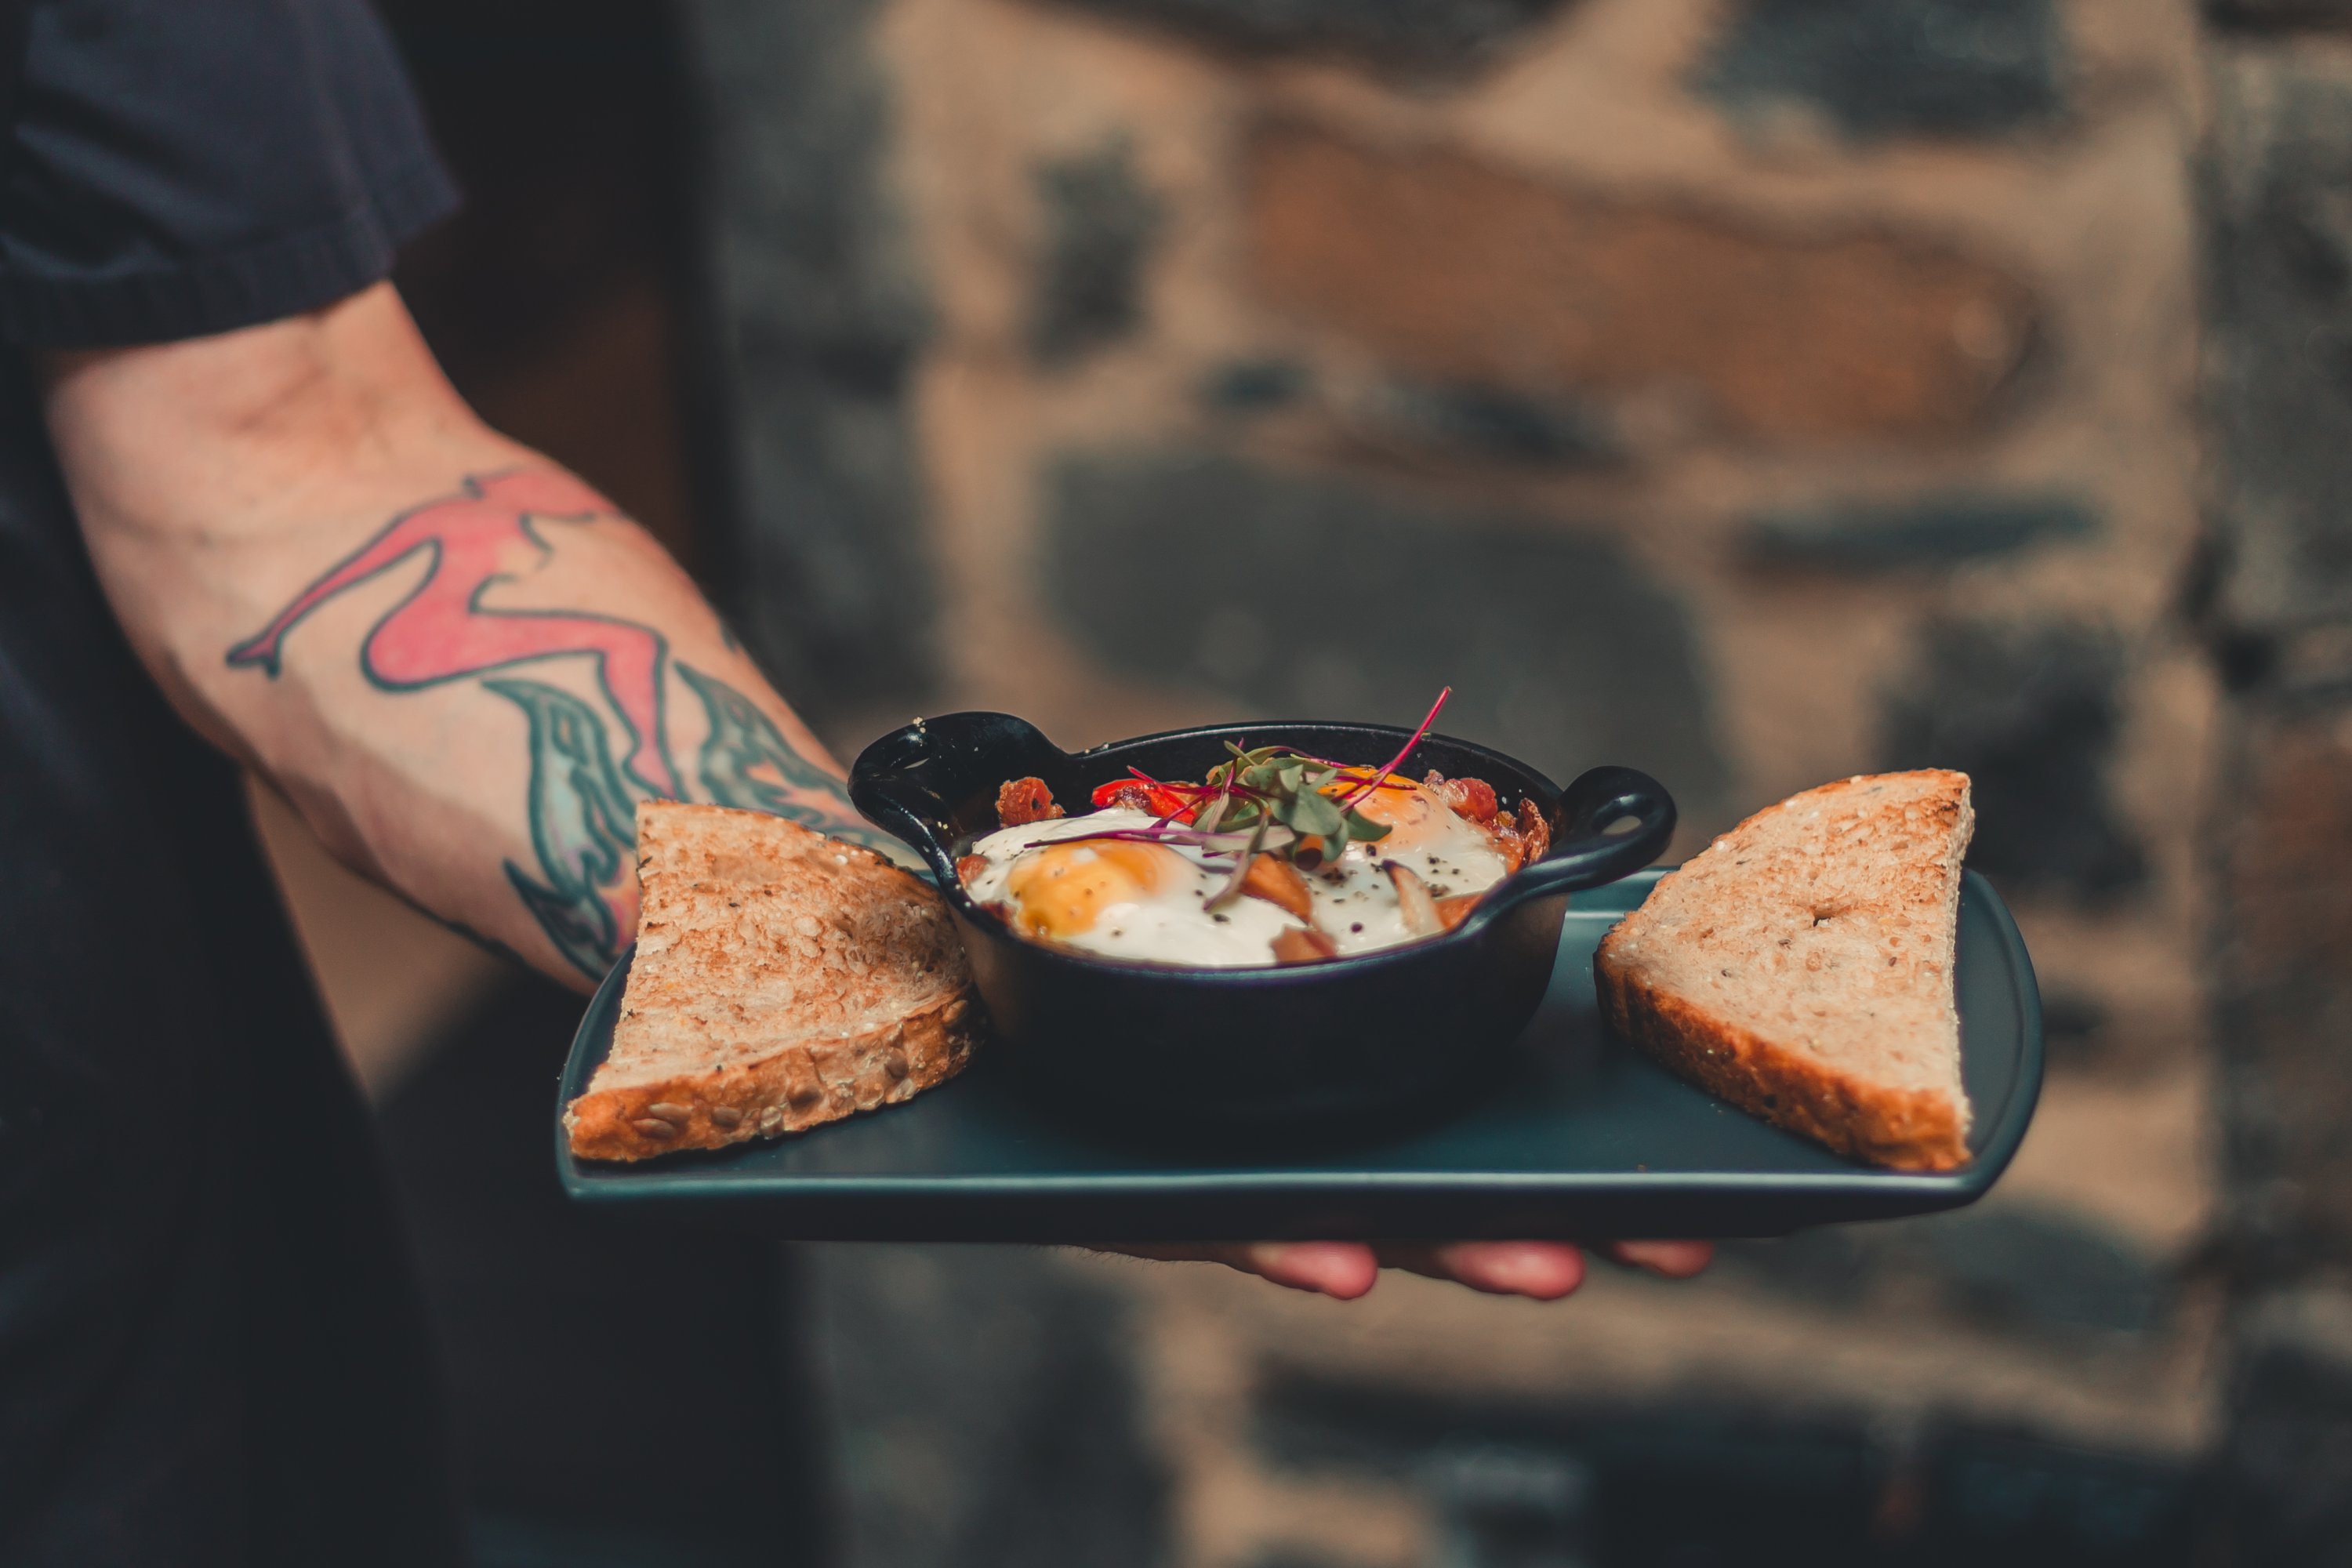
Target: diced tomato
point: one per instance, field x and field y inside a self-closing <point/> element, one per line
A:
<point x="1023" y="801"/>
<point x="1277" y="881"/>
<point x="1294" y="945"/>
<point x="1453" y="911"/>
<point x="1473" y="798"/>
<point x="1534" y="831"/>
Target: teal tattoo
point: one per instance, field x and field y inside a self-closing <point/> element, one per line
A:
<point x="582" y="827"/>
<point x="747" y="763"/>
<point x="584" y="806"/>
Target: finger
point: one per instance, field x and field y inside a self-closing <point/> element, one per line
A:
<point x="1344" y="1270"/>
<point x="1341" y="1269"/>
<point x="1674" y="1259"/>
<point x="1545" y="1271"/>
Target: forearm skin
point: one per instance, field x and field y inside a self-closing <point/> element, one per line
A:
<point x="460" y="663"/>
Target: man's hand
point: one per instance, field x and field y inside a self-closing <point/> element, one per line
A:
<point x="1546" y="1270"/>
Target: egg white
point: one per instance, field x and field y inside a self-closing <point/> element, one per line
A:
<point x="1356" y="901"/>
<point x="1170" y="926"/>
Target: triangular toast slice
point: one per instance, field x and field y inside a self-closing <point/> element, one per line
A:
<point x="781" y="979"/>
<point x="1802" y="967"/>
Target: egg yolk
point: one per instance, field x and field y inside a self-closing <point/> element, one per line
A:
<point x="1059" y="890"/>
<point x="1412" y="814"/>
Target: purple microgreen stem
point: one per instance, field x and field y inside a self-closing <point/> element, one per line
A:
<point x="1380" y="777"/>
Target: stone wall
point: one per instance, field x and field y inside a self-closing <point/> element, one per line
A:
<point x="2275" y="598"/>
<point x="817" y="316"/>
<point x="1754" y="391"/>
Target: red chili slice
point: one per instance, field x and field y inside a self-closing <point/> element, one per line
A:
<point x="1134" y="795"/>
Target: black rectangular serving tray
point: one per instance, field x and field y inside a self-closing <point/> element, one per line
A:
<point x="1587" y="1139"/>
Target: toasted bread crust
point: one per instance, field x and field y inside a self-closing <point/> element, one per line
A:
<point x="1908" y="1131"/>
<point x="1888" y="1123"/>
<point x="798" y="1088"/>
<point x="782" y="979"/>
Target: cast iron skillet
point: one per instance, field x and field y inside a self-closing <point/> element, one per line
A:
<point x="1350" y="1039"/>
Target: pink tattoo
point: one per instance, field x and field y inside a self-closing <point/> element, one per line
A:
<point x="442" y="631"/>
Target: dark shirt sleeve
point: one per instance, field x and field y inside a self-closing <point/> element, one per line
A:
<point x="174" y="168"/>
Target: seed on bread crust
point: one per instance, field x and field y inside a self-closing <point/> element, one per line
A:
<point x="676" y="1115"/>
<point x="894" y="1063"/>
<point x="725" y="1116"/>
<point x="654" y="1127"/>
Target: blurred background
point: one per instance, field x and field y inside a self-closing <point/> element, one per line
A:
<point x="1753" y="391"/>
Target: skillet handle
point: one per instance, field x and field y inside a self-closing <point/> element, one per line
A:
<point x="1582" y="855"/>
<point x="913" y="781"/>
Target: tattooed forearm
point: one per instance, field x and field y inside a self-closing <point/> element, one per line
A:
<point x="590" y="761"/>
<point x="746" y="762"/>
<point x="486" y="534"/>
<point x="583" y="807"/>
<point x="582" y="828"/>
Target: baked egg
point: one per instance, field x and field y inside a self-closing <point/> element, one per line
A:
<point x="1158" y="896"/>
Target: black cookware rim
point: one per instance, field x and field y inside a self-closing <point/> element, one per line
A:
<point x="1482" y="920"/>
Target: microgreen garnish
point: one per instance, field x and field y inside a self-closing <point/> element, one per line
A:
<point x="1398" y="761"/>
<point x="1267" y="800"/>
